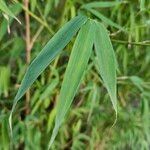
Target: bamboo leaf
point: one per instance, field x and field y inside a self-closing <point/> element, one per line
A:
<point x="105" y="19"/>
<point x="106" y="61"/>
<point x="33" y="5"/>
<point x="142" y="5"/>
<point x="138" y="82"/>
<point x="16" y="9"/>
<point x="5" y="9"/>
<point x="48" y="7"/>
<point x="4" y="132"/>
<point x="100" y="4"/>
<point x="77" y="64"/>
<point x="46" y="56"/>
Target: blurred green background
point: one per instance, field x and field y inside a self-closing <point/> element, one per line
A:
<point x="88" y="124"/>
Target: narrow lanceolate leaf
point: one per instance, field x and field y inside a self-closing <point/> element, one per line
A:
<point x="77" y="64"/>
<point x="105" y="19"/>
<point x="49" y="52"/>
<point x="106" y="61"/>
<point x="6" y="10"/>
<point x="100" y="4"/>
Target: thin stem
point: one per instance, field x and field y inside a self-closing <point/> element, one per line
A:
<point x="144" y="43"/>
<point x="36" y="36"/>
<point x="42" y="22"/>
<point x="39" y="20"/>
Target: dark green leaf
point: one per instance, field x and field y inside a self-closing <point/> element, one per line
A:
<point x="46" y="56"/>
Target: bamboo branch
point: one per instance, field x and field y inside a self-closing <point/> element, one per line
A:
<point x="36" y="36"/>
<point x="144" y="43"/>
<point x="42" y="22"/>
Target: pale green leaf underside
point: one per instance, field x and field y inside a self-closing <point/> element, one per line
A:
<point x="106" y="61"/>
<point x="77" y="64"/>
<point x="6" y="10"/>
<point x="100" y="4"/>
<point x="105" y="19"/>
<point x="48" y="53"/>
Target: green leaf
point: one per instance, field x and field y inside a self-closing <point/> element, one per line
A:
<point x="33" y="5"/>
<point x="138" y="82"/>
<point x="46" y="56"/>
<point x="16" y="9"/>
<point x="77" y="64"/>
<point x="48" y="7"/>
<point x="106" y="61"/>
<point x="4" y="132"/>
<point x="142" y="5"/>
<point x="100" y="4"/>
<point x="6" y="10"/>
<point x="105" y="19"/>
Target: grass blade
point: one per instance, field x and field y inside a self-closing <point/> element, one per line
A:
<point x="77" y="64"/>
<point x="6" y="10"/>
<point x="16" y="9"/>
<point x="100" y="4"/>
<point x="49" y="52"/>
<point x="106" y="61"/>
<point x="105" y="19"/>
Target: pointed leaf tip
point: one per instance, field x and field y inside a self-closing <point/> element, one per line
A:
<point x="46" y="56"/>
<point x="76" y="66"/>
<point x="106" y="62"/>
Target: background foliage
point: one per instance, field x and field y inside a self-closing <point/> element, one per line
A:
<point x="88" y="124"/>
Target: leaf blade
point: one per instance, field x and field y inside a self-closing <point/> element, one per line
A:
<point x="16" y="9"/>
<point x="74" y="72"/>
<point x="100" y="4"/>
<point x="107" y="70"/>
<point x="6" y="10"/>
<point x="105" y="19"/>
<point x="142" y="5"/>
<point x="49" y="52"/>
